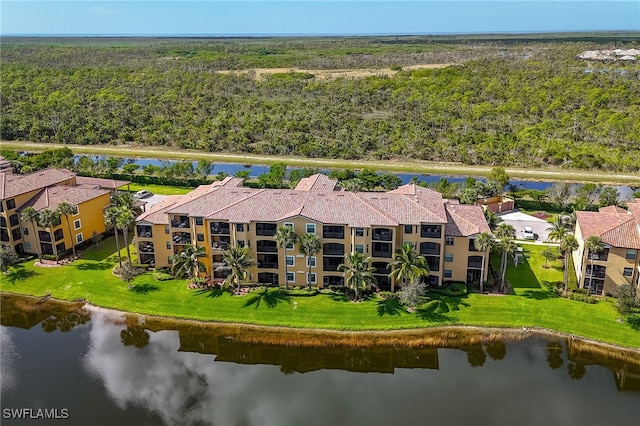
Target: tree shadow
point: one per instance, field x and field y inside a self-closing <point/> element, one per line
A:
<point x="390" y="306"/>
<point x="339" y="297"/>
<point x="144" y="288"/>
<point x="18" y="273"/>
<point x="94" y="266"/>
<point x="270" y="298"/>
<point x="214" y="293"/>
<point x="433" y="311"/>
<point x="545" y="292"/>
<point x="634" y="321"/>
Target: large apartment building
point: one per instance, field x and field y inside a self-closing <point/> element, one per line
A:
<point x="618" y="264"/>
<point x="46" y="189"/>
<point x="225" y="213"/>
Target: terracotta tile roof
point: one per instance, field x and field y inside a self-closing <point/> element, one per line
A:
<point x="615" y="229"/>
<point x="101" y="183"/>
<point x="12" y="184"/>
<point x="612" y="209"/>
<point x="51" y="197"/>
<point x="158" y="213"/>
<point x="634" y="208"/>
<point x="465" y="220"/>
<point x="317" y="182"/>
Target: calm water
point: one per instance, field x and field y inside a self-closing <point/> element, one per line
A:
<point x="107" y="371"/>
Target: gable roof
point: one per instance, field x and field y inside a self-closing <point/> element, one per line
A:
<point x="317" y="182"/>
<point x="101" y="183"/>
<point x="51" y="197"/>
<point x="157" y="214"/>
<point x="465" y="220"/>
<point x="12" y="185"/>
<point x="617" y="229"/>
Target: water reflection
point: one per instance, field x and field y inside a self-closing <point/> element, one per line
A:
<point x="190" y="373"/>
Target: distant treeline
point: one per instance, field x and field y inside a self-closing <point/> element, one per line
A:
<point x="511" y="102"/>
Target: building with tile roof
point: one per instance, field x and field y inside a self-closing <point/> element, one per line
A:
<point x="617" y="265"/>
<point x="46" y="190"/>
<point x="223" y="214"/>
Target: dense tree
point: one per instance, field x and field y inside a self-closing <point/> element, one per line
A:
<point x="594" y="245"/>
<point x="187" y="261"/>
<point x="8" y="257"/>
<point x="111" y="221"/>
<point x="505" y="234"/>
<point x="237" y="261"/>
<point x="483" y="242"/>
<point x="407" y="265"/>
<point x="568" y="244"/>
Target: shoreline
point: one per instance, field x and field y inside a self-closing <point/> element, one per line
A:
<point x="320" y="337"/>
<point x="406" y="166"/>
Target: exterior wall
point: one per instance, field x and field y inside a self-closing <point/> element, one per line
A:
<point x="91" y="216"/>
<point x="615" y="264"/>
<point x="19" y="200"/>
<point x="461" y="253"/>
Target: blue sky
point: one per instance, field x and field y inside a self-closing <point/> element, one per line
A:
<point x="244" y="17"/>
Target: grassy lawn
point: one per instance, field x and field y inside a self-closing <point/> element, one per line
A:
<point x="533" y="304"/>
<point x="161" y="189"/>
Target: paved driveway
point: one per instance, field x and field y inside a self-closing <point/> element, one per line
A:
<point x="152" y="201"/>
<point x="520" y="220"/>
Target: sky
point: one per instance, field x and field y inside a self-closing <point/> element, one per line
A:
<point x="313" y="17"/>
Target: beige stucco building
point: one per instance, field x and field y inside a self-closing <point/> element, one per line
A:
<point x="225" y="213"/>
<point x="617" y="265"/>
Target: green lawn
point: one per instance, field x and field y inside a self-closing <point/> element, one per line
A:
<point x="90" y="278"/>
<point x="161" y="189"/>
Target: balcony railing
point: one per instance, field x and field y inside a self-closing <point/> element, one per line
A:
<point x="477" y="265"/>
<point x="219" y="245"/>
<point x="220" y="229"/>
<point x="261" y="247"/>
<point x="182" y="222"/>
<point x="381" y="253"/>
<point x="266" y="229"/>
<point x="181" y="238"/>
<point x="268" y="265"/>
<point x="335" y="235"/>
<point x="145" y="247"/>
<point x="382" y="235"/>
<point x="144" y="231"/>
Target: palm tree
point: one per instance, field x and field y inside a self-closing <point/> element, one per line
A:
<point x="408" y="265"/>
<point x="124" y="220"/>
<point x="67" y="210"/>
<point x="483" y="242"/>
<point x="237" y="259"/>
<point x="508" y="246"/>
<point x="187" y="262"/>
<point x="48" y="219"/>
<point x="29" y="214"/>
<point x="493" y="220"/>
<point x="505" y="233"/>
<point x="111" y="220"/>
<point x="309" y="245"/>
<point x="359" y="273"/>
<point x="558" y="228"/>
<point x="285" y="237"/>
<point x="595" y="245"/>
<point x="567" y="245"/>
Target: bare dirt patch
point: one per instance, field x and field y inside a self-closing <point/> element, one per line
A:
<point x="332" y="74"/>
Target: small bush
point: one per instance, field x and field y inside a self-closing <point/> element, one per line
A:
<point x="162" y="276"/>
<point x="300" y="292"/>
<point x="454" y="289"/>
<point x="592" y="300"/>
<point x="338" y="289"/>
<point x="581" y="291"/>
<point x="387" y="295"/>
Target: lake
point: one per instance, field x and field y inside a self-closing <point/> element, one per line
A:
<point x="105" y="369"/>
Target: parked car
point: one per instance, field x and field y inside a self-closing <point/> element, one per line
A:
<point x="143" y="193"/>
<point x="528" y="233"/>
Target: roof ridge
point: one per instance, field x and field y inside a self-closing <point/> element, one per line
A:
<point x="355" y="194"/>
<point x="447" y="209"/>
<point x="251" y="195"/>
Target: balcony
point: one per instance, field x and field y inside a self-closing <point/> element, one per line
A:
<point x="180" y="222"/>
<point x="333" y="249"/>
<point x="4" y="235"/>
<point x="331" y="263"/>
<point x="433" y="262"/>
<point x="266" y="229"/>
<point x="266" y="246"/>
<point x="429" y="248"/>
<point x="382" y="250"/>
<point x="220" y="228"/>
<point x="380" y="268"/>
<point x="220" y="245"/>
<point x="335" y="232"/>
<point x="378" y="234"/>
<point x="181" y="238"/>
<point x="144" y="231"/>
<point x="145" y="247"/>
<point x="431" y="231"/>
<point x="267" y="261"/>
<point x="474" y="262"/>
<point x="44" y="236"/>
<point x="147" y="259"/>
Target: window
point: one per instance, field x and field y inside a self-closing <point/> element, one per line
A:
<point x="11" y="204"/>
<point x="166" y="229"/>
<point x="169" y="260"/>
<point x="289" y="246"/>
<point x="627" y="272"/>
<point x="240" y="227"/>
<point x="359" y="232"/>
<point x="447" y="273"/>
<point x="240" y="243"/>
<point x="359" y="248"/>
<point x="311" y="228"/>
<point x="449" y="241"/>
<point x="13" y="220"/>
<point x="168" y="245"/>
<point x="25" y="231"/>
<point x="289" y="225"/>
<point x="311" y="278"/>
<point x="16" y="234"/>
<point x="448" y="257"/>
<point x="27" y="246"/>
<point x="290" y="260"/>
<point x="311" y="262"/>
<point x="76" y="211"/>
<point x="408" y="229"/>
<point x="199" y="220"/>
<point x="631" y="254"/>
<point x="76" y="224"/>
<point x="79" y="238"/>
<point x="200" y="237"/>
<point x="290" y="277"/>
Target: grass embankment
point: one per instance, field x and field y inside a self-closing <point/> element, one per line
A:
<point x="399" y="166"/>
<point x="533" y="304"/>
<point x="160" y="189"/>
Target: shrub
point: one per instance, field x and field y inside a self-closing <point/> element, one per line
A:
<point x="452" y="289"/>
<point x="162" y="276"/>
<point x="581" y="291"/>
<point x="387" y="295"/>
<point x="592" y="300"/>
<point x="300" y="292"/>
